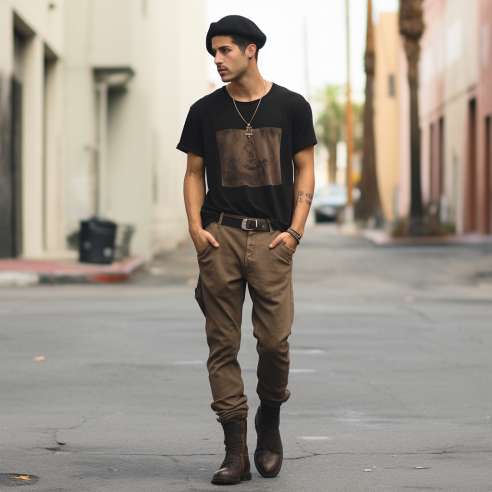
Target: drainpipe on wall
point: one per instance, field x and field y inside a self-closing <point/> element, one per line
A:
<point x="102" y="144"/>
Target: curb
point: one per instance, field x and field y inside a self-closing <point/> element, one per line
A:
<point x="104" y="274"/>
<point x="18" y="279"/>
<point x="381" y="238"/>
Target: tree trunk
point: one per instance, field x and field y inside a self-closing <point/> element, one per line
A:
<point x="369" y="204"/>
<point x="416" y="207"/>
<point x="412" y="28"/>
<point x="332" y="163"/>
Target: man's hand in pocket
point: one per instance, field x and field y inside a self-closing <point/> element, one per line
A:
<point x="202" y="238"/>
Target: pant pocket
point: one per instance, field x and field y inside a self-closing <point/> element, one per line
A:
<point x="199" y="295"/>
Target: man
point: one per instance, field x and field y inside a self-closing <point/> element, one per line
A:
<point x="254" y="139"/>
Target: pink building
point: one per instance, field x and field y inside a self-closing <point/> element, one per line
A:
<point x="482" y="207"/>
<point x="455" y="114"/>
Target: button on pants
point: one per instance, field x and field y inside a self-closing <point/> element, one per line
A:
<point x="244" y="259"/>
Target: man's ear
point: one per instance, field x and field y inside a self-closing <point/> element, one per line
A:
<point x="250" y="51"/>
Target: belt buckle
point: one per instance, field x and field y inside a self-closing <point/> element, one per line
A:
<point x="244" y="225"/>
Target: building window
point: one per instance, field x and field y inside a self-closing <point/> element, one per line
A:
<point x="391" y="85"/>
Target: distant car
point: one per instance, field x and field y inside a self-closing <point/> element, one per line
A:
<point x="328" y="202"/>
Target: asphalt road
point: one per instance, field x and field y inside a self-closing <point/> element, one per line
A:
<point x="104" y="388"/>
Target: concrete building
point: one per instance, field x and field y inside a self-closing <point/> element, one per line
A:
<point x="93" y="94"/>
<point x="386" y="110"/>
<point x="31" y="114"/>
<point x="455" y="111"/>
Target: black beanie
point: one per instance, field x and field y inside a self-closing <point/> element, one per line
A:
<point x="235" y="24"/>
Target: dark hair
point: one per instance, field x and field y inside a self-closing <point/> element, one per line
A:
<point x="243" y="42"/>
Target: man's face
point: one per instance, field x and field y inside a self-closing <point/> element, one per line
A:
<point x="231" y="62"/>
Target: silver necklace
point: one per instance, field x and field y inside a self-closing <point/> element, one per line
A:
<point x="248" y="131"/>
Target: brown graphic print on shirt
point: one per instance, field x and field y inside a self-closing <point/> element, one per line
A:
<point x="253" y="161"/>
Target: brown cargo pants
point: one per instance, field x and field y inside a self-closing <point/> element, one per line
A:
<point x="244" y="258"/>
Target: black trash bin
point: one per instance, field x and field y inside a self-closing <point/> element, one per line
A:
<point x="96" y="241"/>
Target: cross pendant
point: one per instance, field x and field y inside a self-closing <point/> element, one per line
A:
<point x="249" y="131"/>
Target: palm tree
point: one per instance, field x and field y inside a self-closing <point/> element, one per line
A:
<point x="411" y="28"/>
<point x="329" y="126"/>
<point x="369" y="204"/>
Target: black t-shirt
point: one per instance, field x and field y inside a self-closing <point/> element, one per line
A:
<point x="249" y="176"/>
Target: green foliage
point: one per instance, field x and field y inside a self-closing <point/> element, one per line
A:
<point x="330" y="124"/>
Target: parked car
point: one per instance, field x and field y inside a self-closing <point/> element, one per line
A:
<point x="329" y="202"/>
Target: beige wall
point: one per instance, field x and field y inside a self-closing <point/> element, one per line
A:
<point x="41" y="30"/>
<point x="45" y="21"/>
<point x="80" y="117"/>
<point x="6" y="53"/>
<point x="180" y="80"/>
<point x="404" y="143"/>
<point x="162" y="44"/>
<point x="386" y="118"/>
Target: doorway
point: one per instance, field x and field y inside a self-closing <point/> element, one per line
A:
<point x="488" y="174"/>
<point x="470" y="224"/>
<point x="11" y="163"/>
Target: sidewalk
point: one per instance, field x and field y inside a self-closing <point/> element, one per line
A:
<point x="22" y="272"/>
<point x="380" y="237"/>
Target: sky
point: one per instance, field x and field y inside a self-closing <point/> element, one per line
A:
<point x="305" y="48"/>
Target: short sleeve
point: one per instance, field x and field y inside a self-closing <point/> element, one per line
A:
<point x="192" y="135"/>
<point x="302" y="126"/>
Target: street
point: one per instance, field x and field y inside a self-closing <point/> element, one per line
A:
<point x="104" y="388"/>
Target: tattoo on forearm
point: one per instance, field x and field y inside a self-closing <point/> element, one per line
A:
<point x="302" y="196"/>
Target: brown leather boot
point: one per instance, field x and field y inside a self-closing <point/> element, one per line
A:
<point x="269" y="452"/>
<point x="235" y="466"/>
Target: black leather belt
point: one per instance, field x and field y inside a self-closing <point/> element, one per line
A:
<point x="245" y="223"/>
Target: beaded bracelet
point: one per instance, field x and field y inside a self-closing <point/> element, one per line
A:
<point x="292" y="235"/>
<point x="296" y="235"/>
